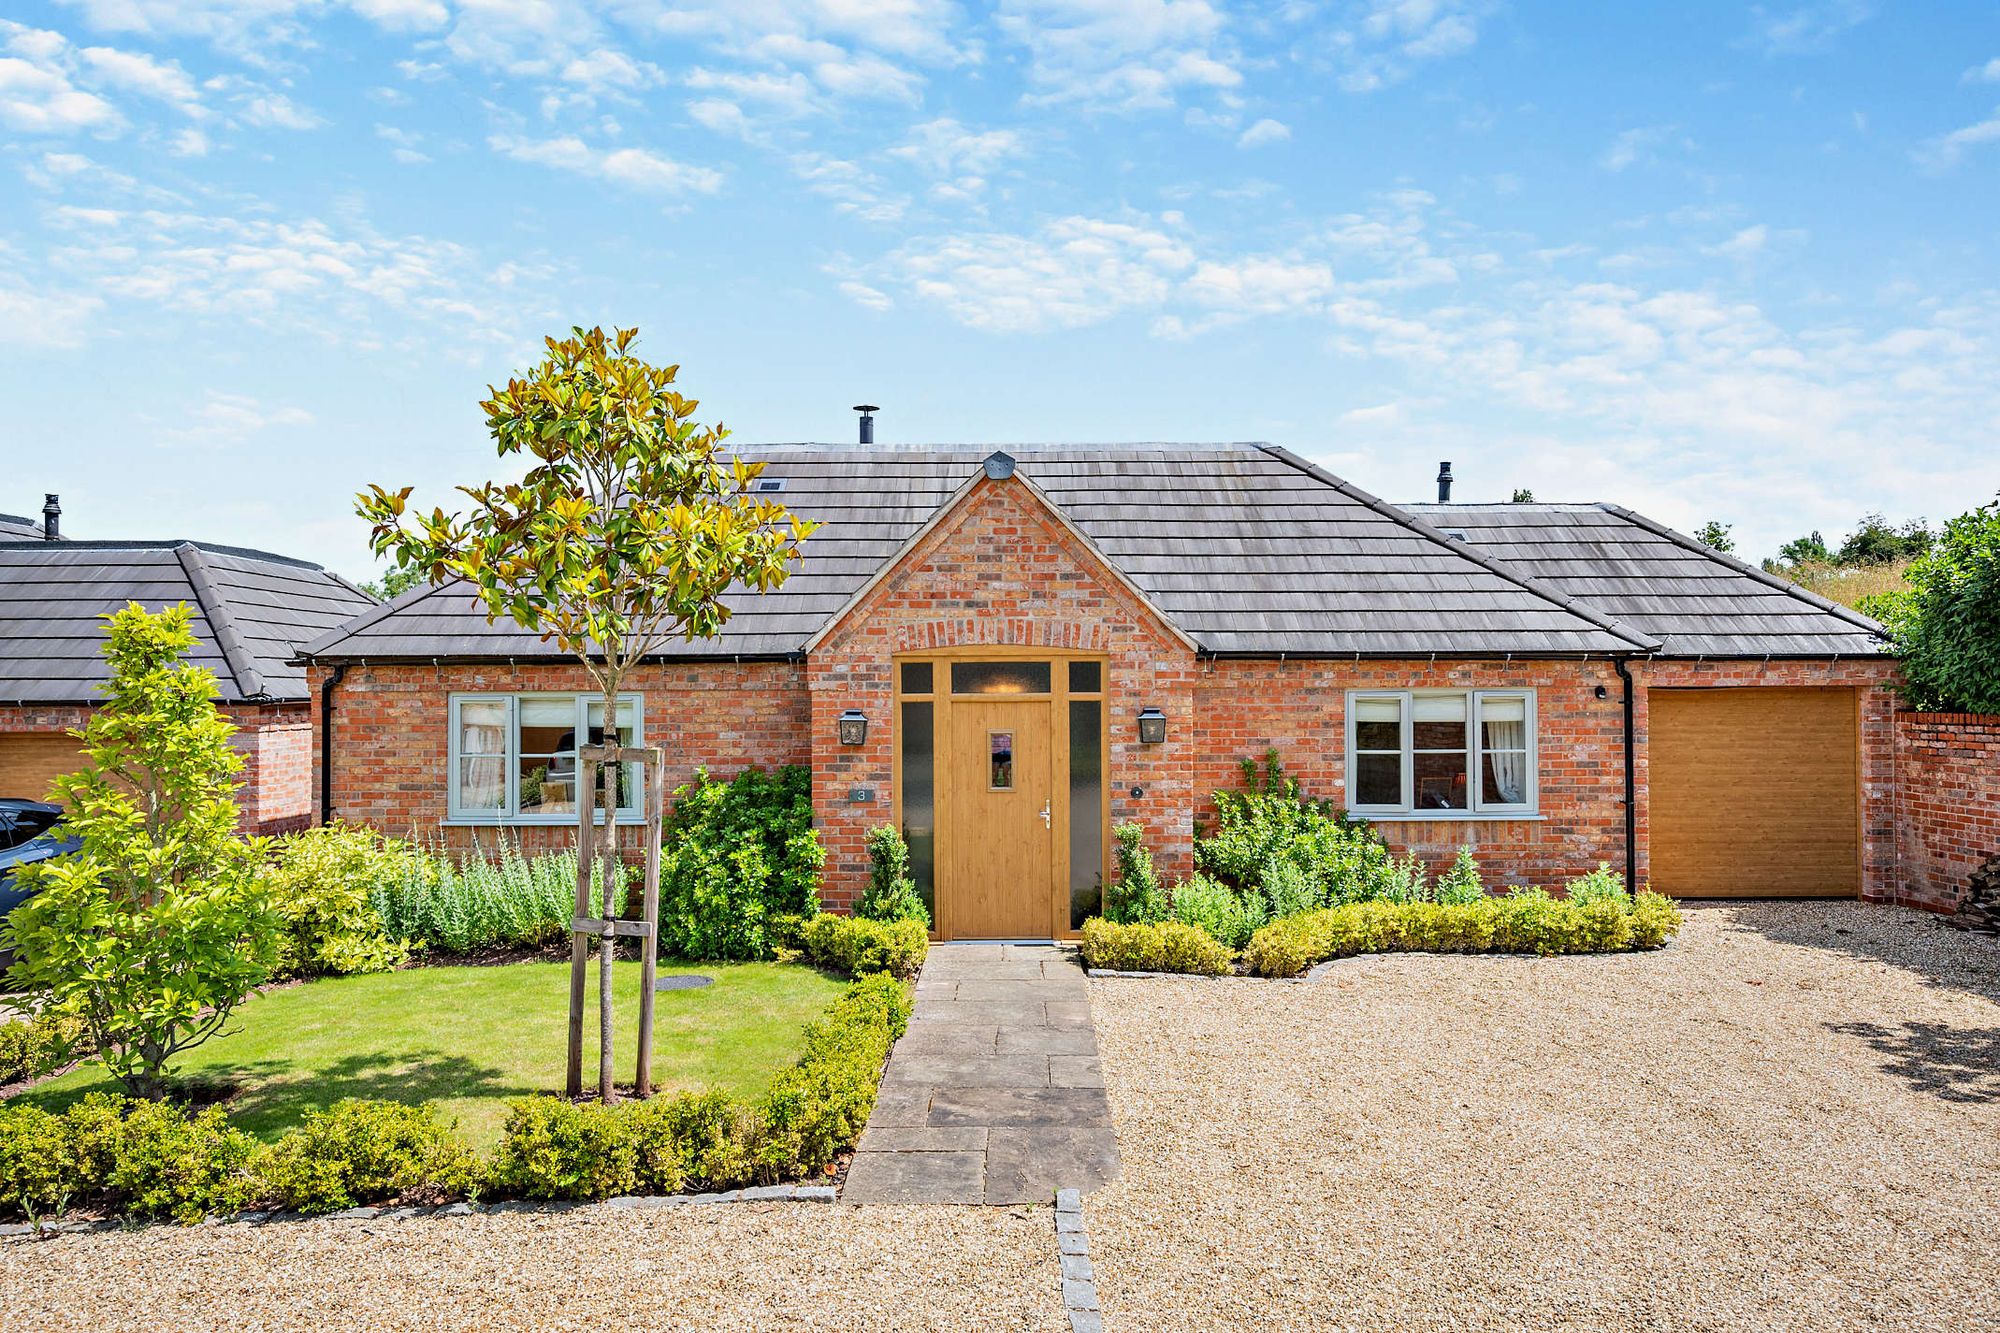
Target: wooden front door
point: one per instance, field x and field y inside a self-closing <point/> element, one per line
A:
<point x="996" y="835"/>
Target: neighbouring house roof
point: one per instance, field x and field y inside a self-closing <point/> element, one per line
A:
<point x="251" y="612"/>
<point x="19" y="528"/>
<point x="1697" y="601"/>
<point x="1245" y="548"/>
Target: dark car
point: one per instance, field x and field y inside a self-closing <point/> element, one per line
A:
<point x="30" y="831"/>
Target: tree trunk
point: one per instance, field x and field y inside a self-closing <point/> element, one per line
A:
<point x="607" y="945"/>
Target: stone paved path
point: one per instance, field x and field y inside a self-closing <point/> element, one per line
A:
<point x="994" y="1095"/>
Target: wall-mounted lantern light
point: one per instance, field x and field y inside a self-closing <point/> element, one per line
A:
<point x="1152" y="726"/>
<point x="853" y="727"/>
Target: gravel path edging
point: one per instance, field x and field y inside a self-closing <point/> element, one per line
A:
<point x="1079" y="1278"/>
<point x="257" y="1217"/>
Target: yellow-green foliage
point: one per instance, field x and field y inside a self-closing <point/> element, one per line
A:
<point x="41" y="1045"/>
<point x="857" y="946"/>
<point x="358" y="1152"/>
<point x="322" y="883"/>
<point x="1142" y="947"/>
<point x="1525" y="921"/>
<point x="819" y="1106"/>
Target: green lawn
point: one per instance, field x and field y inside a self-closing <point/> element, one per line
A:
<point x="469" y="1038"/>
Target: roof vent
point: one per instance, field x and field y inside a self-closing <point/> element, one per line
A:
<point x="1444" y="483"/>
<point x="766" y="485"/>
<point x="51" y="518"/>
<point x="1456" y="534"/>
<point x="999" y="465"/>
<point x="867" y="411"/>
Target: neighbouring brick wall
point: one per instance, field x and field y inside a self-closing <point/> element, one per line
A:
<point x="1299" y="708"/>
<point x="1000" y="571"/>
<point x="275" y="741"/>
<point x="1872" y="679"/>
<point x="1947" y="804"/>
<point x="391" y="742"/>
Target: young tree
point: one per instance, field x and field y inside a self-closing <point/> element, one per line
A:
<point x="1946" y="622"/>
<point x="1807" y="550"/>
<point x="159" y="925"/>
<point x="1875" y="542"/>
<point x="629" y="526"/>
<point x="1715" y="536"/>
<point x="1523" y="496"/>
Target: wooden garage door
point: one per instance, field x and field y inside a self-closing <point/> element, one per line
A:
<point x="1755" y="793"/>
<point x="29" y="763"/>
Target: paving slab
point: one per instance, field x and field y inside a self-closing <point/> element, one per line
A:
<point x="994" y="1094"/>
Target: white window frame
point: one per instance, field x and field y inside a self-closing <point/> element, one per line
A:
<point x="1478" y="808"/>
<point x="509" y="812"/>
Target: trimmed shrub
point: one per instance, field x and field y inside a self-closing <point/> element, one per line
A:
<point x="1524" y="921"/>
<point x="735" y="854"/>
<point x="554" y="1149"/>
<point x="361" y="1152"/>
<point x="1136" y="894"/>
<point x="891" y="894"/>
<point x="697" y="1140"/>
<point x="818" y="1108"/>
<point x="856" y="947"/>
<point x="41" y="1045"/>
<point x="323" y="883"/>
<point x="153" y="1159"/>
<point x="38" y="1173"/>
<point x="1144" y="947"/>
<point x="1216" y="909"/>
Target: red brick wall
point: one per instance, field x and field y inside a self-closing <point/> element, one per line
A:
<point x="1000" y="571"/>
<point x="1299" y="708"/>
<point x="391" y="741"/>
<point x="1947" y="804"/>
<point x="274" y="739"/>
<point x="1873" y="679"/>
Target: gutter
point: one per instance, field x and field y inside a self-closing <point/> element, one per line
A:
<point x="1624" y="667"/>
<point x="326" y="741"/>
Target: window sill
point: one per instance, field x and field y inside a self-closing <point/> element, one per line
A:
<point x="1447" y="817"/>
<point x="468" y="821"/>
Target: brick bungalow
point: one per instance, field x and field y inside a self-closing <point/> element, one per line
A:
<point x="251" y="611"/>
<point x="1008" y="653"/>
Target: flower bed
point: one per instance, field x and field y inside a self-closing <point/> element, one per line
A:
<point x="147" y="1159"/>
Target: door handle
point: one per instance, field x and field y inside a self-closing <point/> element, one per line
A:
<point x="1045" y="815"/>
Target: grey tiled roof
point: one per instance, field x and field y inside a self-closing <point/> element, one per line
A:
<point x="1699" y="602"/>
<point x="1244" y="548"/>
<point x="252" y="611"/>
<point x="20" y="528"/>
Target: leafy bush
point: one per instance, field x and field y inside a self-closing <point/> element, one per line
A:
<point x="1219" y="911"/>
<point x="818" y="1108"/>
<point x="1601" y="885"/>
<point x="154" y="1159"/>
<point x="1524" y="921"/>
<point x="40" y="1045"/>
<point x="1404" y="880"/>
<point x="1460" y="883"/>
<point x="361" y="1152"/>
<point x="515" y="901"/>
<point x="160" y="924"/>
<point x="323" y="883"/>
<point x="857" y="946"/>
<point x="1946" y="623"/>
<point x="737" y="853"/>
<point x="1295" y="852"/>
<point x="891" y="894"/>
<point x="1136" y="894"/>
<point x="697" y="1140"/>
<point x="554" y="1149"/>
<point x="1144" y="947"/>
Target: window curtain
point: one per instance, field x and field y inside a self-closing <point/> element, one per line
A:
<point x="1504" y="724"/>
<point x="482" y="732"/>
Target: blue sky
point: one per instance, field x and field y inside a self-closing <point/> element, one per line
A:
<point x="1707" y="260"/>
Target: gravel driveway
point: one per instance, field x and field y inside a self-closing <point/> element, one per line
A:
<point x="1788" y="1120"/>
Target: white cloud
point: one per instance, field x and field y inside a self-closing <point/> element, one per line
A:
<point x="164" y="80"/>
<point x="1263" y="132"/>
<point x="1387" y="40"/>
<point x="1638" y="145"/>
<point x="403" y="15"/>
<point x="37" y="95"/>
<point x="1805" y="28"/>
<point x="1944" y="152"/>
<point x="1120" y="54"/>
<point x="868" y="298"/>
<point x="275" y="111"/>
<point x="1986" y="73"/>
<point x="635" y="168"/>
<point x="921" y="30"/>
<point x="1745" y="244"/>
<point x="854" y="190"/>
<point x="40" y="320"/>
<point x="225" y="420"/>
<point x="605" y="70"/>
<point x="944" y="147"/>
<point x="189" y="142"/>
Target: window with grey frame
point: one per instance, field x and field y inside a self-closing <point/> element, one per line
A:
<point x="514" y="758"/>
<point x="1441" y="752"/>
